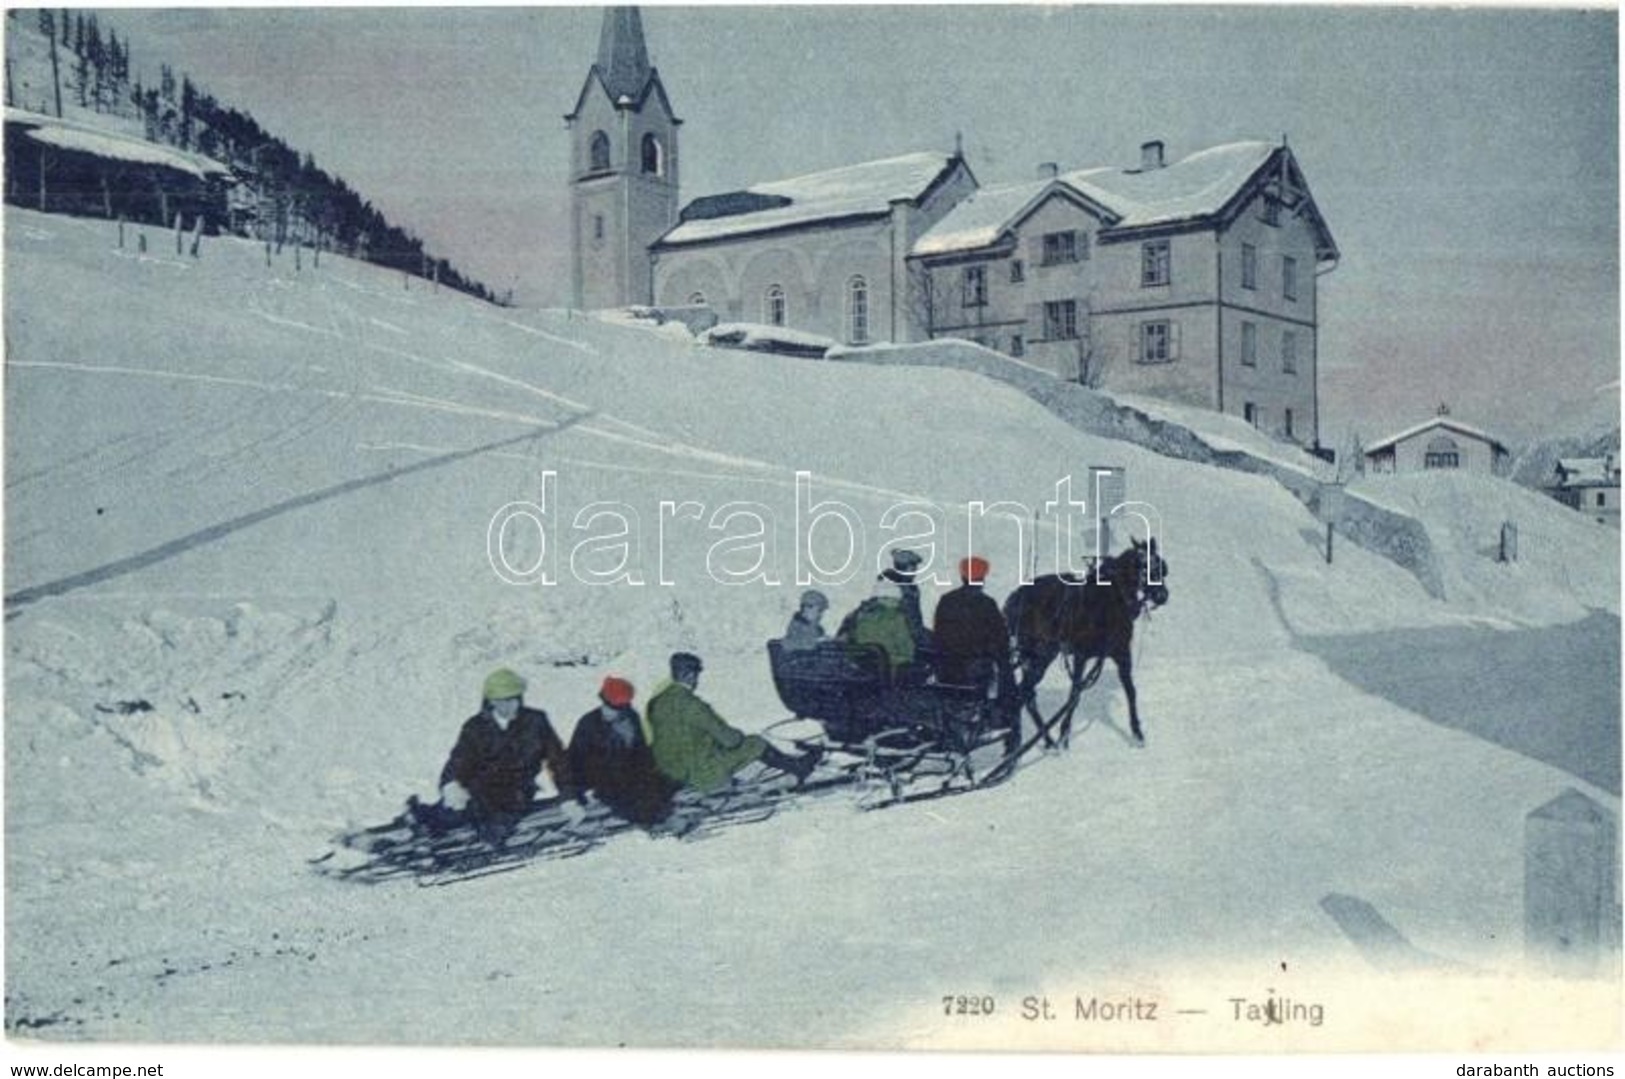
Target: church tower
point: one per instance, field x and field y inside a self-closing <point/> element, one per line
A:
<point x="623" y="169"/>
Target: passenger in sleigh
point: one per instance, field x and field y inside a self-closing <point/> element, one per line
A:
<point x="806" y="629"/>
<point x="972" y="640"/>
<point x="882" y="622"/>
<point x="610" y="758"/>
<point x="489" y="780"/>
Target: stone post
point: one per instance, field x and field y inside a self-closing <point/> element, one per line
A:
<point x="1571" y="865"/>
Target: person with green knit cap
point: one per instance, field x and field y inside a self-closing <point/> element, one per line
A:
<point x="695" y="747"/>
<point x="489" y="780"/>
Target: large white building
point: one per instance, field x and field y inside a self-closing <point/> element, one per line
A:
<point x="1194" y="280"/>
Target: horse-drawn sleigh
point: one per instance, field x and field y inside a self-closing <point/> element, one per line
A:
<point x="926" y="738"/>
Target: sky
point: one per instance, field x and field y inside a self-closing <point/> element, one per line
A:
<point x="1465" y="160"/>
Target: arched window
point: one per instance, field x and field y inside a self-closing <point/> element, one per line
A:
<point x="773" y="306"/>
<point x="654" y="156"/>
<point x="598" y="153"/>
<point x="696" y="299"/>
<point x="1442" y="452"/>
<point x="857" y="311"/>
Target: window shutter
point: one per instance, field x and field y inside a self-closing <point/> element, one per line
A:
<point x="1138" y="347"/>
<point x="1173" y="339"/>
<point x="1035" y="250"/>
<point x="1035" y="322"/>
<point x="1083" y="245"/>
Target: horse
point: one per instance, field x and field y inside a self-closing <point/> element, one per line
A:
<point x="1088" y="617"/>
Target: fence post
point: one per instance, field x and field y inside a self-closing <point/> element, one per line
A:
<point x="1570" y="903"/>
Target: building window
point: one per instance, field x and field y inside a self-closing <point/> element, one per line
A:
<point x="1018" y="271"/>
<point x="1249" y="412"/>
<point x="1249" y="266"/>
<point x="696" y="299"/>
<point x="598" y="154"/>
<point x="1249" y="344"/>
<point x="773" y="306"/>
<point x="1288" y="423"/>
<point x="1289" y="277"/>
<point x="598" y="228"/>
<point x="975" y="286"/>
<point x="1154" y="259"/>
<point x="1018" y="347"/>
<point x="1061" y="320"/>
<point x="1602" y="499"/>
<point x="1159" y="342"/>
<point x="654" y="156"/>
<point x="1060" y="247"/>
<point x="857" y="311"/>
<point x="1442" y="452"/>
<point x="1289" y="352"/>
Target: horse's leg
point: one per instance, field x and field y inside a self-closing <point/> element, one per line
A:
<point x="1125" y="674"/>
<point x="1076" y="665"/>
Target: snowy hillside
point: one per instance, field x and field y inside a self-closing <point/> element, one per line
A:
<point x="250" y="598"/>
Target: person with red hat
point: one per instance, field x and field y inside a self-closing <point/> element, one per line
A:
<point x="611" y="759"/>
<point x="973" y="644"/>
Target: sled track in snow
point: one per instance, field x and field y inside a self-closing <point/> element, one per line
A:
<point x="16" y="601"/>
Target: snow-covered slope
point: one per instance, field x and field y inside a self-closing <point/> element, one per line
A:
<point x="250" y="597"/>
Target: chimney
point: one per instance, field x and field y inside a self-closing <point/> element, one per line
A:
<point x="1150" y="155"/>
<point x="1048" y="170"/>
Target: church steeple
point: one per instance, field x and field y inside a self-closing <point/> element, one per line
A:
<point x="623" y="60"/>
<point x="623" y="171"/>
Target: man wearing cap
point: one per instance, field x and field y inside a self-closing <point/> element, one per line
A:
<point x="904" y="572"/>
<point x="694" y="747"/>
<point x="490" y="778"/>
<point x="973" y="644"/>
<point x="610" y="757"/>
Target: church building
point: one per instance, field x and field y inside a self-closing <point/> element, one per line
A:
<point x="1193" y="280"/>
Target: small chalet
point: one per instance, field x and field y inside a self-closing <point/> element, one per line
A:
<point x="1437" y="444"/>
<point x="1590" y="485"/>
<point x="64" y="166"/>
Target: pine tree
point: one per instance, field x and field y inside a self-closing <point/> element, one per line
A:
<point x="48" y="27"/>
<point x="188" y="111"/>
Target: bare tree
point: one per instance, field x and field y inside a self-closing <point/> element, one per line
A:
<point x="1094" y="357"/>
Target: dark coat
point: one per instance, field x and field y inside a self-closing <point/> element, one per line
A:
<point x="499" y="767"/>
<point x="611" y="759"/>
<point x="801" y="634"/>
<point x="971" y="638"/>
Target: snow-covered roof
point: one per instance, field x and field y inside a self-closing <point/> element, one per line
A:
<point x="1195" y="186"/>
<point x="69" y="135"/>
<point x="1587" y="472"/>
<point x="982" y="218"/>
<point x="1192" y="188"/>
<point x="869" y="188"/>
<point x="754" y="335"/>
<point x="1445" y="422"/>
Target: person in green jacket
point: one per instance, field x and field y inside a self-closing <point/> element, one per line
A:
<point x="881" y="620"/>
<point x="693" y="745"/>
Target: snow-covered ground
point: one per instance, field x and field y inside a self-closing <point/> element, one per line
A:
<point x="250" y="598"/>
